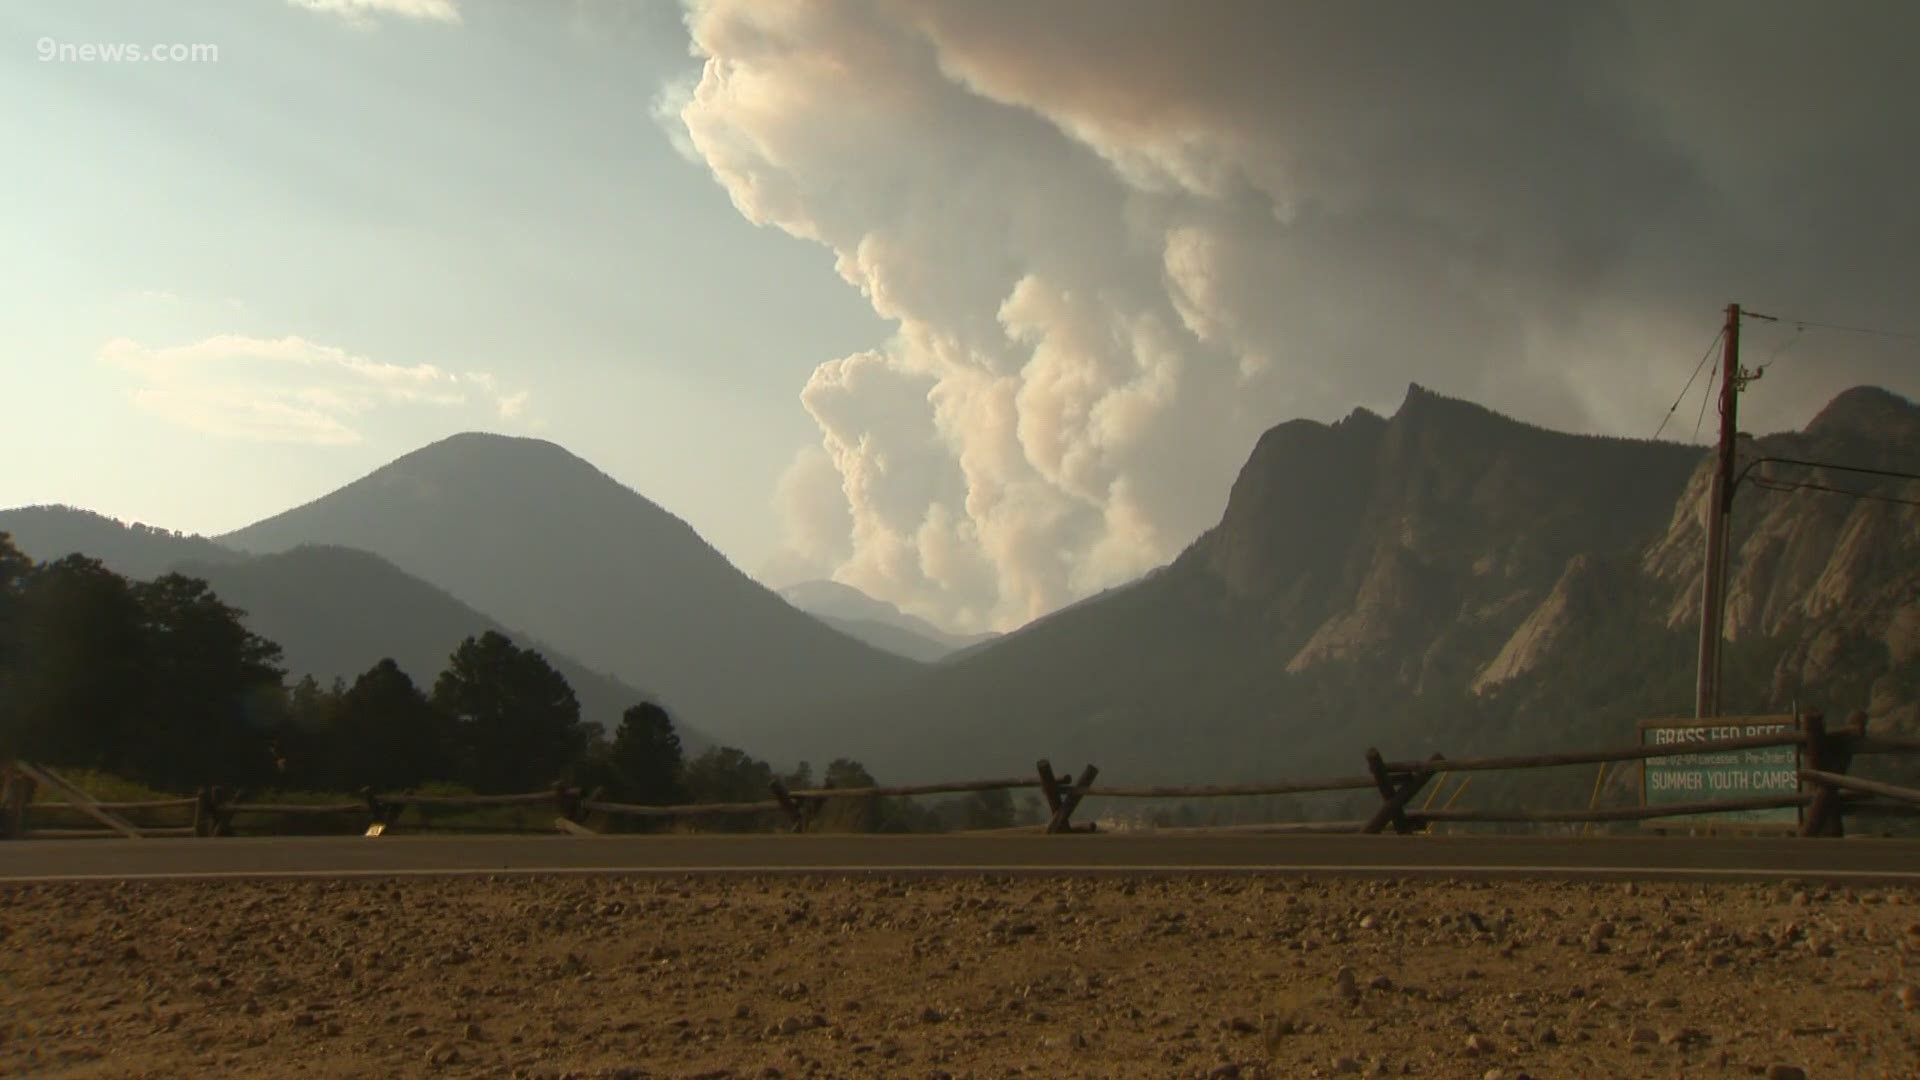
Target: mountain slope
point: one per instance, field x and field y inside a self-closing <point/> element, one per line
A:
<point x="337" y="612"/>
<point x="877" y="622"/>
<point x="1828" y="586"/>
<point x="542" y="540"/>
<point x="137" y="551"/>
<point x="334" y="611"/>
<point x="1423" y="581"/>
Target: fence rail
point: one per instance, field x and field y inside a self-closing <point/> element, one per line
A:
<point x="1826" y="795"/>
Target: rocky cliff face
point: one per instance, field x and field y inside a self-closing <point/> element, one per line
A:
<point x="1447" y="579"/>
<point x="1831" y="580"/>
<point x="1416" y="545"/>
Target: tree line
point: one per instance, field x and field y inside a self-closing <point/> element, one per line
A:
<point x="162" y="683"/>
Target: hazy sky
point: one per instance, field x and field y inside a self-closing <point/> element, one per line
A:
<point x="975" y="305"/>
<point x="486" y="196"/>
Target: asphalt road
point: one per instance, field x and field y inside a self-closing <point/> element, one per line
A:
<point x="1851" y="860"/>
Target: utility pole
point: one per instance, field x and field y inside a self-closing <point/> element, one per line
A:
<point x="1713" y="589"/>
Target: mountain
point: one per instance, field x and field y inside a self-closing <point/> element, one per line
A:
<point x="876" y="622"/>
<point x="1443" y="579"/>
<point x="1829" y="584"/>
<point x="137" y="551"/>
<point x="337" y="611"/>
<point x="334" y="611"/>
<point x="543" y="541"/>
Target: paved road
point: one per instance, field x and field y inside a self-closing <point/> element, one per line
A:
<point x="1855" y="860"/>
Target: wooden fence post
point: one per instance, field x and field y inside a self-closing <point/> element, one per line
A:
<point x="220" y="811"/>
<point x="1824" y="753"/>
<point x="796" y="821"/>
<point x="18" y="795"/>
<point x="566" y="801"/>
<point x="1049" y="787"/>
<point x="1070" y="801"/>
<point x="203" y="812"/>
<point x="1393" y="797"/>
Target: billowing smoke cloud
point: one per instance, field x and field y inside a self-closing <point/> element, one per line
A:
<point x="1119" y="239"/>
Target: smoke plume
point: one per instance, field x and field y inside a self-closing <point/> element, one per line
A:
<point x="1119" y="239"/>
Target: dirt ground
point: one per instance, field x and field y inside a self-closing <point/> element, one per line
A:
<point x="959" y="976"/>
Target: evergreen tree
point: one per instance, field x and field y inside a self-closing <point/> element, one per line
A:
<point x="15" y="568"/>
<point x="516" y="722"/>
<point x="301" y="756"/>
<point x="848" y="773"/>
<point x="76" y="682"/>
<point x="385" y="734"/>
<point x="211" y="687"/>
<point x="727" y="774"/>
<point x="159" y="682"/>
<point x="645" y="760"/>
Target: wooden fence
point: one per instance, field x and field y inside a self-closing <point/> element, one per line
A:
<point x="1826" y="796"/>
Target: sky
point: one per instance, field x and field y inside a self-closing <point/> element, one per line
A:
<point x="975" y="306"/>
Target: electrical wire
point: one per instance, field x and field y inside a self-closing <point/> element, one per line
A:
<point x="1865" y="470"/>
<point x="1690" y="381"/>
<point x="1808" y="485"/>
<point x="1873" y="331"/>
<point x="1705" y="396"/>
<point x="1780" y="349"/>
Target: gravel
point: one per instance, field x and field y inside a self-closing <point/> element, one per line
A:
<point x="738" y="977"/>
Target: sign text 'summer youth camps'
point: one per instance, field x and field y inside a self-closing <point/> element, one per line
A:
<point x="1711" y="775"/>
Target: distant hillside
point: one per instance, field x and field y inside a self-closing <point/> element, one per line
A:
<point x="336" y="612"/>
<point x="544" y="541"/>
<point x="1444" y="579"/>
<point x="877" y="622"/>
<point x="137" y="551"/>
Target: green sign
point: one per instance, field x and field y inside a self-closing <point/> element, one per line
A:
<point x="1709" y="775"/>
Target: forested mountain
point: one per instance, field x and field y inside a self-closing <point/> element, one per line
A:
<point x="136" y="550"/>
<point x="542" y="540"/>
<point x="1444" y="579"/>
<point x="335" y="612"/>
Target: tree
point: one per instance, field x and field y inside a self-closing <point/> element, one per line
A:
<point x="848" y="773"/>
<point x="159" y="681"/>
<point x="211" y="690"/>
<point x="75" y="682"/>
<point x="801" y="778"/>
<point x="727" y="774"/>
<point x="645" y="760"/>
<point x="859" y="814"/>
<point x="15" y="569"/>
<point x="516" y="722"/>
<point x="300" y="751"/>
<point x="385" y="734"/>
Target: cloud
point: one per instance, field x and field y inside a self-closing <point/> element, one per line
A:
<point x="364" y="12"/>
<point x="288" y="389"/>
<point x="1109" y="273"/>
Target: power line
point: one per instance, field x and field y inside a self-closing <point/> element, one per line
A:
<point x="1690" y="381"/>
<point x="1807" y="485"/>
<point x="1865" y="470"/>
<point x="1705" y="397"/>
<point x="1873" y="331"/>
<point x="1781" y="348"/>
<point x="1767" y="483"/>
